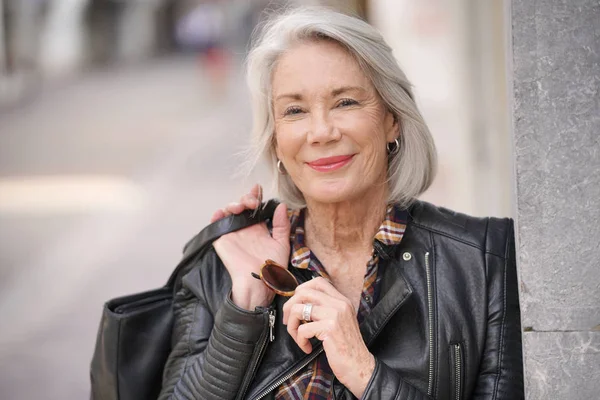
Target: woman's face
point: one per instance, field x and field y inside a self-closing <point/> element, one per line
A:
<point x="331" y="128"/>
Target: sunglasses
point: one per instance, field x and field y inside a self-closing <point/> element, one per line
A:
<point x="277" y="278"/>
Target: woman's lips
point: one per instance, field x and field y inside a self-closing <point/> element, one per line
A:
<point x="330" y="163"/>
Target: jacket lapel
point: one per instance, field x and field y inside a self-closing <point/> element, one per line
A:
<point x="395" y="290"/>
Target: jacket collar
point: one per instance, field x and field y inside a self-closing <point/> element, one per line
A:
<point x="395" y="291"/>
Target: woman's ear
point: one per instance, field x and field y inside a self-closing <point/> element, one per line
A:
<point x="392" y="127"/>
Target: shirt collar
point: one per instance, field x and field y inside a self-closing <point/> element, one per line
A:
<point x="388" y="236"/>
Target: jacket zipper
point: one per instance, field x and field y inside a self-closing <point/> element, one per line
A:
<point x="272" y="338"/>
<point x="271" y="325"/>
<point x="289" y="375"/>
<point x="458" y="367"/>
<point x="263" y="345"/>
<point x="430" y="318"/>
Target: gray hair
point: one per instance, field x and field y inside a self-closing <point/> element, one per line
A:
<point x="412" y="169"/>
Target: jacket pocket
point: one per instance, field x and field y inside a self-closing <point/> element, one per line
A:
<point x="457" y="367"/>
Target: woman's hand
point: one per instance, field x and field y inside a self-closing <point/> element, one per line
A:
<point x="244" y="251"/>
<point x="334" y="323"/>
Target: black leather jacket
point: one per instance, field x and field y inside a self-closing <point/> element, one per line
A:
<point x="446" y="325"/>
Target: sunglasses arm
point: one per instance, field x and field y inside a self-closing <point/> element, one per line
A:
<point x="255" y="276"/>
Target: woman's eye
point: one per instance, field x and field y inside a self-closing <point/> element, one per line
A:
<point x="347" y="102"/>
<point x="292" y="110"/>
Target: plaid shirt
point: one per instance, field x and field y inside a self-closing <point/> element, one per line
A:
<point x="314" y="381"/>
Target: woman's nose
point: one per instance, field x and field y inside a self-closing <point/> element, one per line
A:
<point x="322" y="130"/>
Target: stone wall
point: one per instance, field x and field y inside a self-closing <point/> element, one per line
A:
<point x="556" y="119"/>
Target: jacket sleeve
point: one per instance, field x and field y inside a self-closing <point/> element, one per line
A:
<point x="501" y="368"/>
<point x="210" y="354"/>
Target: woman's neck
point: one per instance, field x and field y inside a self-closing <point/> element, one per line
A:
<point x="347" y="227"/>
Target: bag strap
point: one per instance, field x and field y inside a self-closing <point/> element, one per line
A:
<point x="200" y="243"/>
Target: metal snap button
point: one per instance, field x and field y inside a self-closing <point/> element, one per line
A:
<point x="406" y="256"/>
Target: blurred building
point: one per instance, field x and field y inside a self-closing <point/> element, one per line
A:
<point x="454" y="54"/>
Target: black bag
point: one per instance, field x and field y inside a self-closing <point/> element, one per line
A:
<point x="134" y="338"/>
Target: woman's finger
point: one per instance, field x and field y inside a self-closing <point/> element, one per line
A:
<point x="249" y="201"/>
<point x="335" y="306"/>
<point x="234" y="208"/>
<point x="281" y="224"/>
<point x="256" y="192"/>
<point x="319" y="330"/>
<point x="292" y="327"/>
<point x="217" y="215"/>
<point x="308" y="296"/>
<point x="317" y="313"/>
<point x="322" y="285"/>
<point x="296" y="318"/>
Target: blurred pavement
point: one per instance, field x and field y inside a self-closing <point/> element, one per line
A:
<point x="102" y="181"/>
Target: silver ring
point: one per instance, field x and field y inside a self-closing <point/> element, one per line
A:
<point x="306" y="312"/>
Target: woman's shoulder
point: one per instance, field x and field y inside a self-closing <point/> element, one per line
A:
<point x="489" y="234"/>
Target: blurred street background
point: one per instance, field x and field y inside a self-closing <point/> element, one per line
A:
<point x="121" y="127"/>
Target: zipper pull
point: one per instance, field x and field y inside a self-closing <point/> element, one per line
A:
<point x="271" y="325"/>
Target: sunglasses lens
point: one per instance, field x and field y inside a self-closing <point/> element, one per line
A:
<point x="279" y="278"/>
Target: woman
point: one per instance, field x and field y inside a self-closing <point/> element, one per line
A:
<point x="408" y="301"/>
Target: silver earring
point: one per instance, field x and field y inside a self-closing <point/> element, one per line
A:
<point x="393" y="149"/>
<point x="280" y="167"/>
